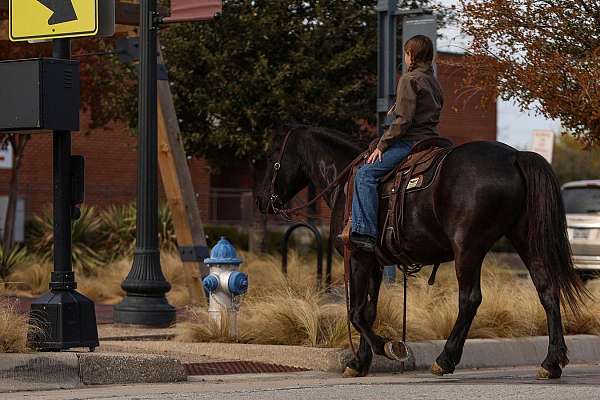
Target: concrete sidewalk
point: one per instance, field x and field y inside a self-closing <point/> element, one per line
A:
<point x="143" y="361"/>
<point x="478" y="353"/>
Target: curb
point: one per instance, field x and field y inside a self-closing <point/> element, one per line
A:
<point x="68" y="370"/>
<point x="478" y="353"/>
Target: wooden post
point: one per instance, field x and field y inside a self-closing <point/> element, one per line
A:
<point x="177" y="183"/>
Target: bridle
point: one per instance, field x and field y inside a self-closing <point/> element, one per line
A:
<point x="274" y="199"/>
<point x="273" y="196"/>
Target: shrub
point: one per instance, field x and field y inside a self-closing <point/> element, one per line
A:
<point x="9" y="260"/>
<point x="13" y="329"/>
<point x="118" y="229"/>
<point x="88" y="251"/>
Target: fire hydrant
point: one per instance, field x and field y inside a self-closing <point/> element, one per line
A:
<point x="225" y="284"/>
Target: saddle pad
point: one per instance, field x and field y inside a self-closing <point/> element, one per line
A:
<point x="421" y="179"/>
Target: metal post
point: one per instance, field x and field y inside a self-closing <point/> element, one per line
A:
<point x="145" y="303"/>
<point x="62" y="275"/>
<point x="386" y="59"/>
<point x="386" y="76"/>
<point x="65" y="317"/>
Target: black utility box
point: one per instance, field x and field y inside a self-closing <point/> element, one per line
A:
<point x="41" y="93"/>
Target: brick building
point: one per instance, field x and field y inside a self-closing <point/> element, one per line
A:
<point x="111" y="168"/>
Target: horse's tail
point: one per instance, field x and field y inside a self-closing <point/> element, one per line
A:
<point x="547" y="229"/>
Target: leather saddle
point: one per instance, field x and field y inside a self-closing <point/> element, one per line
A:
<point x="418" y="172"/>
<point x="419" y="168"/>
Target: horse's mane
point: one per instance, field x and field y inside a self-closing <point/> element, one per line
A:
<point x="354" y="143"/>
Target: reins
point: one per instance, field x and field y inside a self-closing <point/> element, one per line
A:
<point x="273" y="197"/>
<point x="287" y="212"/>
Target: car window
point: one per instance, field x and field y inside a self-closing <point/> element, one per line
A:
<point x="581" y="200"/>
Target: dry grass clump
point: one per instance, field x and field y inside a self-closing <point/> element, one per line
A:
<point x="13" y="329"/>
<point x="292" y="310"/>
<point x="280" y="310"/>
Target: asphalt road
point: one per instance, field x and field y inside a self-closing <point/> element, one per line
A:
<point x="579" y="382"/>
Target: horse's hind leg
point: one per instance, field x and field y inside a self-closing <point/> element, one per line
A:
<point x="550" y="299"/>
<point x="359" y="366"/>
<point x="468" y="272"/>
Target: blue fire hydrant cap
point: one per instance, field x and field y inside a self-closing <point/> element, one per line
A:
<point x="223" y="253"/>
<point x="238" y="283"/>
<point x="210" y="283"/>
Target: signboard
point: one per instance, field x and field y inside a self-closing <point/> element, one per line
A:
<point x="424" y="24"/>
<point x="194" y="10"/>
<point x="52" y="19"/>
<point x="543" y="143"/>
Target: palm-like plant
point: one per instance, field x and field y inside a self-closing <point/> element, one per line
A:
<point x="10" y="259"/>
<point x="87" y="247"/>
<point x="118" y="229"/>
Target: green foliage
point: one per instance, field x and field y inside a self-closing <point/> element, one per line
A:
<point x="119" y="228"/>
<point x="572" y="162"/>
<point x="98" y="238"/>
<point x="10" y="259"/>
<point x="263" y="64"/>
<point x="88" y="251"/>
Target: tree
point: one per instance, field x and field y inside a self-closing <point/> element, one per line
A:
<point x="571" y="163"/>
<point x="541" y="53"/>
<point x="263" y="64"/>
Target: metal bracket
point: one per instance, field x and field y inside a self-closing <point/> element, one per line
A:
<point x="162" y="74"/>
<point x="193" y="253"/>
<point x="156" y="21"/>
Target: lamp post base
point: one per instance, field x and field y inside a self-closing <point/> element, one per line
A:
<point x="61" y="320"/>
<point x="144" y="311"/>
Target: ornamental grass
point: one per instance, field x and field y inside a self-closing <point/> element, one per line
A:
<point x="13" y="329"/>
<point x="291" y="309"/>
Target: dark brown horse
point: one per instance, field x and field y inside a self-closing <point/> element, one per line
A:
<point x="484" y="191"/>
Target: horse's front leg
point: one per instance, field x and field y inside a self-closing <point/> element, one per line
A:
<point x="359" y="366"/>
<point x="365" y="281"/>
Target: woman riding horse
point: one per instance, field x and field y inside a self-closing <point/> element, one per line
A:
<point x="418" y="107"/>
<point x="484" y="191"/>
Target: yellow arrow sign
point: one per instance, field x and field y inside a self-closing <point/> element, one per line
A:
<point x="52" y="19"/>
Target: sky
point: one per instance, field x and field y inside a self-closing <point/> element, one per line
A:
<point x="515" y="127"/>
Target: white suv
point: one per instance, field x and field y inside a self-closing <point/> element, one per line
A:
<point x="582" y="206"/>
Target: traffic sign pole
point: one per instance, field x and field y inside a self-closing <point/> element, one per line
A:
<point x="145" y="303"/>
<point x="63" y="275"/>
<point x="64" y="317"/>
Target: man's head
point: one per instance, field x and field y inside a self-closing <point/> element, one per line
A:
<point x="418" y="49"/>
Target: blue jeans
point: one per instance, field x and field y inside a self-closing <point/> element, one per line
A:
<point x="365" y="203"/>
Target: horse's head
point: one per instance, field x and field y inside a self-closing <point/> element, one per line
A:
<point x="285" y="171"/>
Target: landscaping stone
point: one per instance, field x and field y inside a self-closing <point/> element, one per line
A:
<point x="119" y="368"/>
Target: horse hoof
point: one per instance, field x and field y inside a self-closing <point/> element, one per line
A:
<point x="350" y="373"/>
<point x="544" y="374"/>
<point x="437" y="370"/>
<point x="396" y="350"/>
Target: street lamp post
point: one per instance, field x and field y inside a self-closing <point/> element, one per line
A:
<point x="145" y="302"/>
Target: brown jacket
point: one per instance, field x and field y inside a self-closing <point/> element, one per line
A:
<point x="419" y="102"/>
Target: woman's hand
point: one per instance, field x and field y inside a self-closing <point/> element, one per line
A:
<point x="376" y="155"/>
